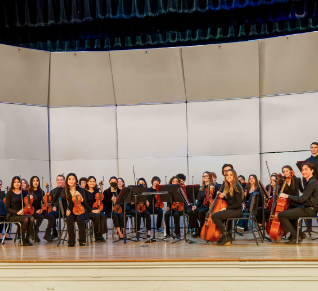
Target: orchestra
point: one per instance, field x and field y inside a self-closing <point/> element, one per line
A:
<point x="280" y="204"/>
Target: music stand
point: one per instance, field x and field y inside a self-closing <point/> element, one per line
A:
<point x="264" y="194"/>
<point x="164" y="198"/>
<point x="192" y="190"/>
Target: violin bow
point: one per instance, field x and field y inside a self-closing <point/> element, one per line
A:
<point x="193" y="191"/>
<point x="135" y="181"/>
<point x="21" y="192"/>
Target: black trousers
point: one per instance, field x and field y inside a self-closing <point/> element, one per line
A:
<point x="159" y="212"/>
<point x="99" y="221"/>
<point x="176" y="217"/>
<point x="39" y="218"/>
<point x="221" y="216"/>
<point x="118" y="219"/>
<point x="289" y="218"/>
<point x="197" y="214"/>
<point x="80" y="220"/>
<point x="132" y="212"/>
<point x="146" y="215"/>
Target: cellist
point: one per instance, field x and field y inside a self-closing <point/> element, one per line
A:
<point x="233" y="193"/>
<point x="308" y="203"/>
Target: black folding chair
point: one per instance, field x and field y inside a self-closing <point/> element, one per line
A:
<point x="300" y="223"/>
<point x="251" y="219"/>
<point x="6" y="227"/>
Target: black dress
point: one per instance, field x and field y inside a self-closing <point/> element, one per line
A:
<point x="13" y="206"/>
<point x="118" y="219"/>
<point x="293" y="190"/>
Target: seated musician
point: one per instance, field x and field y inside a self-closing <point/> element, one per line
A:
<point x="70" y="191"/>
<point x="233" y="193"/>
<point x="110" y="195"/>
<point x="241" y="178"/>
<point x="251" y="189"/>
<point x="308" y="203"/>
<point x="154" y="182"/>
<point x="182" y="178"/>
<point x="82" y="182"/>
<point x="98" y="217"/>
<point x="175" y="214"/>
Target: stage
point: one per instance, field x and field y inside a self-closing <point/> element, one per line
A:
<point x="161" y="266"/>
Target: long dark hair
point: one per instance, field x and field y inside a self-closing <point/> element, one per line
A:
<point x="292" y="180"/>
<point x="122" y="180"/>
<point x="172" y="178"/>
<point x="143" y="179"/>
<point x="256" y="181"/>
<point x="91" y="177"/>
<point x="12" y="183"/>
<point x="66" y="187"/>
<point x="31" y="189"/>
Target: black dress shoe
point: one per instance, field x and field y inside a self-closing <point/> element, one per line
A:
<point x="28" y="241"/>
<point x="303" y="235"/>
<point x="226" y="240"/>
<point x="71" y="246"/>
<point x="292" y="241"/>
<point x="82" y="244"/>
<point x="102" y="239"/>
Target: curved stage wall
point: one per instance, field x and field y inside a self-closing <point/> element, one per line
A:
<point x="240" y="103"/>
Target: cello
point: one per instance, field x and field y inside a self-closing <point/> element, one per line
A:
<point x="98" y="204"/>
<point x="47" y="199"/>
<point x="281" y="204"/>
<point x="209" y="232"/>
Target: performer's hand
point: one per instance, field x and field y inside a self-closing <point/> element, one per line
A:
<point x="244" y="207"/>
<point x="194" y="208"/>
<point x="167" y="209"/>
<point x="147" y="203"/>
<point x="39" y="211"/>
<point x="68" y="212"/>
<point x="114" y="199"/>
<point x="20" y="212"/>
<point x="54" y="208"/>
<point x="222" y="209"/>
<point x="283" y="195"/>
<point x="95" y="211"/>
<point x="221" y="195"/>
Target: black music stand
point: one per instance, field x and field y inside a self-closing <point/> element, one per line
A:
<point x="263" y="212"/>
<point x="192" y="189"/>
<point x="121" y="200"/>
<point x="164" y="198"/>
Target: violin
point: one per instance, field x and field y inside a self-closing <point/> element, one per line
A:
<point x="208" y="200"/>
<point x="158" y="203"/>
<point x="178" y="206"/>
<point x="117" y="208"/>
<point x="141" y="207"/>
<point x="47" y="206"/>
<point x="78" y="208"/>
<point x="209" y="231"/>
<point x="98" y="204"/>
<point x="281" y="204"/>
<point x="28" y="208"/>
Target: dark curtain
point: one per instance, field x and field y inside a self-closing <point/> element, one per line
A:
<point x="62" y="25"/>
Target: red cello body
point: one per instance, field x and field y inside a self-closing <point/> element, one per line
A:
<point x="158" y="203"/>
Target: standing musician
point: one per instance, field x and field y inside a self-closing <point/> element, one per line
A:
<point x="176" y="214"/>
<point x="110" y="198"/>
<point x="71" y="192"/>
<point x="194" y="214"/>
<point x="250" y="189"/>
<point x="233" y="194"/>
<point x="308" y="202"/>
<point x="37" y="193"/>
<point x="154" y="182"/>
<point x="97" y="216"/>
<point x="14" y="207"/>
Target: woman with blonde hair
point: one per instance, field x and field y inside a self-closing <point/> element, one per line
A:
<point x="233" y="194"/>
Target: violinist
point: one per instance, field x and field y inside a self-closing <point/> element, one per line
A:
<point x="37" y="193"/>
<point x="83" y="182"/>
<point x="25" y="186"/>
<point x="241" y="178"/>
<point x="176" y="214"/>
<point x="293" y="186"/>
<point x="233" y="194"/>
<point x="154" y="182"/>
<point x="250" y="189"/>
<point x="14" y="207"/>
<point x="194" y="214"/>
<point x="71" y="193"/>
<point x="110" y="195"/>
<point x="97" y="216"/>
<point x="182" y="178"/>
<point x="308" y="203"/>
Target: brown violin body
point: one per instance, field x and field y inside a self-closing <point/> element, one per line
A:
<point x="276" y="231"/>
<point x="28" y="209"/>
<point x="47" y="206"/>
<point x="141" y="207"/>
<point x="78" y="208"/>
<point x="177" y="206"/>
<point x="158" y="203"/>
<point x="98" y="203"/>
<point x="209" y="231"/>
<point x="118" y="209"/>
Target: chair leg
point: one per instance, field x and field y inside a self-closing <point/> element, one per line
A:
<point x="299" y="221"/>
<point x="258" y="229"/>
<point x="249" y="222"/>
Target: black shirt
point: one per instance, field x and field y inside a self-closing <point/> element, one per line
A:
<point x="91" y="197"/>
<point x="235" y="201"/>
<point x="314" y="161"/>
<point x="294" y="188"/>
<point x="56" y="194"/>
<point x="37" y="198"/>
<point x="107" y="202"/>
<point x="249" y="196"/>
<point x="13" y="202"/>
<point x="70" y="203"/>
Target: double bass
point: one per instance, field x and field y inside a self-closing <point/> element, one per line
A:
<point x="209" y="231"/>
<point x="47" y="199"/>
<point x="98" y="204"/>
<point x="281" y="204"/>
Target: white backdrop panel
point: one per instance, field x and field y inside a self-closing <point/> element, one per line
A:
<point x="24" y="132"/>
<point x="83" y="133"/>
<point x="81" y="78"/>
<point x="297" y="114"/>
<point x="24" y="75"/>
<point x="222" y="127"/>
<point x="149" y="167"/>
<point x="152" y="131"/>
<point x="289" y="64"/>
<point x="278" y="160"/>
<point x="221" y="71"/>
<point x="85" y="168"/>
<point x="148" y="76"/>
<point x="243" y="165"/>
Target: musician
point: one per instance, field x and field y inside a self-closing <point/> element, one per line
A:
<point x="225" y="168"/>
<point x="293" y="186"/>
<point x="97" y="216"/>
<point x="233" y="194"/>
<point x="70" y="190"/>
<point x="14" y="207"/>
<point x="194" y="214"/>
<point x="83" y="182"/>
<point x="55" y="195"/>
<point x="110" y="195"/>
<point x="182" y="178"/>
<point x="37" y="193"/>
<point x="251" y="189"/>
<point x="241" y="178"/>
<point x="121" y="183"/>
<point x="25" y="186"/>
<point x="214" y="182"/>
<point x="175" y="214"/>
<point x="308" y="202"/>
<point x="154" y="182"/>
<point x="3" y="212"/>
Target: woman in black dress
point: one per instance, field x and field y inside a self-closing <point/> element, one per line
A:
<point x="14" y="207"/>
<point x="98" y="217"/>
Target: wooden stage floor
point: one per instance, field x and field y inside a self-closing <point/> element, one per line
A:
<point x="242" y="250"/>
